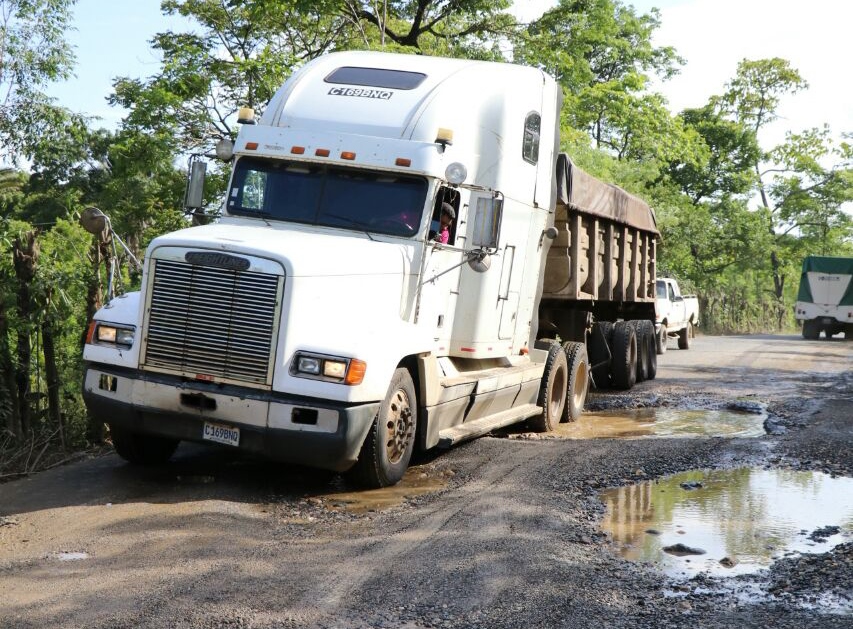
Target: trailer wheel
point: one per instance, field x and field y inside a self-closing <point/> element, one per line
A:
<point x="646" y="337"/>
<point x="387" y="450"/>
<point x="624" y="365"/>
<point x="642" y="352"/>
<point x="552" y="392"/>
<point x="662" y="339"/>
<point x="578" y="381"/>
<point x="811" y="329"/>
<point x="141" y="449"/>
<point x="600" y="341"/>
<point x="684" y="336"/>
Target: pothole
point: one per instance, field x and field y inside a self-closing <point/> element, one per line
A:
<point x="416" y="482"/>
<point x="729" y="522"/>
<point x="657" y="422"/>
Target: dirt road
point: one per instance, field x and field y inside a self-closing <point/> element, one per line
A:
<point x="499" y="532"/>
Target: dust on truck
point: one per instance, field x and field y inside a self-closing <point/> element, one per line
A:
<point x="319" y="321"/>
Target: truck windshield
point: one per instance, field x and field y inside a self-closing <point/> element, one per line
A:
<point x="314" y="194"/>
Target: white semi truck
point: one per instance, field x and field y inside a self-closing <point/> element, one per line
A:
<point x="825" y="297"/>
<point x="319" y="321"/>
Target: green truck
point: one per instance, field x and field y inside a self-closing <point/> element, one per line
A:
<point x="825" y="298"/>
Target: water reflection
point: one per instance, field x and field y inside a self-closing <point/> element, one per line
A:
<point x="743" y="518"/>
<point x="663" y="422"/>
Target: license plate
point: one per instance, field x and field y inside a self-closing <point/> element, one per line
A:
<point x="221" y="434"/>
<point x="827" y="320"/>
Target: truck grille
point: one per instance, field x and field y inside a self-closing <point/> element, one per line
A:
<point x="211" y="321"/>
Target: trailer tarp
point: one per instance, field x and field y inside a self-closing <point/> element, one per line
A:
<point x="583" y="192"/>
<point x="830" y="266"/>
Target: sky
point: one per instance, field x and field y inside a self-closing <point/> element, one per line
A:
<point x="112" y="39"/>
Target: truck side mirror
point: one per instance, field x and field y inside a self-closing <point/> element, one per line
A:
<point x="487" y="222"/>
<point x="194" y="198"/>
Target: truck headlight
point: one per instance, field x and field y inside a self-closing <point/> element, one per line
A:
<point x="328" y="368"/>
<point x="111" y="334"/>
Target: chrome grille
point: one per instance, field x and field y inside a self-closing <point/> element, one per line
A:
<point x="212" y="321"/>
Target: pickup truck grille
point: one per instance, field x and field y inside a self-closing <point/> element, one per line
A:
<point x="211" y="321"/>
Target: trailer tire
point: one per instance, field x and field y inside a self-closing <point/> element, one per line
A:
<point x="387" y="450"/>
<point x="642" y="352"/>
<point x="578" y="381"/>
<point x="646" y="336"/>
<point x="141" y="449"/>
<point x="624" y="364"/>
<point x="600" y="341"/>
<point x="811" y="329"/>
<point x="553" y="391"/>
<point x="684" y="336"/>
<point x="662" y="339"/>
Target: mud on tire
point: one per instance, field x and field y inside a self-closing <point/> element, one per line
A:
<point x="387" y="449"/>
<point x="578" y="381"/>
<point x="141" y="449"/>
<point x="552" y="392"/>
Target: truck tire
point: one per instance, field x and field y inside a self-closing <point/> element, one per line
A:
<point x="646" y="336"/>
<point x="141" y="449"/>
<point x="642" y="352"/>
<point x="553" y="391"/>
<point x="624" y="365"/>
<point x="811" y="329"/>
<point x="578" y="381"/>
<point x="662" y="339"/>
<point x="600" y="341"/>
<point x="684" y="336"/>
<point x="387" y="450"/>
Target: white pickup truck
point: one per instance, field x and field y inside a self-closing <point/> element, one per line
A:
<point x="677" y="314"/>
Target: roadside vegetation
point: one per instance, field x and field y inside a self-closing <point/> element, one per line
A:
<point x="736" y="217"/>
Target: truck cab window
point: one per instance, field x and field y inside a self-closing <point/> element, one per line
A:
<point x="349" y="198"/>
<point x="530" y="143"/>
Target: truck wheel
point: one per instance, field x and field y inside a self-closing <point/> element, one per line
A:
<point x="386" y="451"/>
<point x="142" y="449"/>
<point x="661" y="340"/>
<point x="600" y="341"/>
<point x="642" y="352"/>
<point x="624" y="365"/>
<point x="578" y="381"/>
<point x="646" y="337"/>
<point x="811" y="329"/>
<point x="684" y="336"/>
<point x="552" y="392"/>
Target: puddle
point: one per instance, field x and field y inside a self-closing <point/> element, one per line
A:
<point x="742" y="519"/>
<point x="663" y="422"/>
<point x="415" y="483"/>
<point x="67" y="556"/>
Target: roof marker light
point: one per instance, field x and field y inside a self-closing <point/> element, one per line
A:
<point x="403" y="161"/>
<point x="322" y="152"/>
<point x="347" y="155"/>
<point x="297" y="150"/>
<point x="251" y="146"/>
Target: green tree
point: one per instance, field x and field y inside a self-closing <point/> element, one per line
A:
<point x="33" y="52"/>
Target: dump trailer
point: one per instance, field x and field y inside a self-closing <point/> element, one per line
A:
<point x="599" y="277"/>
<point x="825" y="297"/>
<point x="404" y="259"/>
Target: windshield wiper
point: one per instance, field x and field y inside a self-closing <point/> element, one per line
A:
<point x="352" y="222"/>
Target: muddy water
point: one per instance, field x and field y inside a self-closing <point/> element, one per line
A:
<point x="740" y="519"/>
<point x="414" y="483"/>
<point x="663" y="422"/>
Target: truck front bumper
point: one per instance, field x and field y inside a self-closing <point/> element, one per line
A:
<point x="290" y="428"/>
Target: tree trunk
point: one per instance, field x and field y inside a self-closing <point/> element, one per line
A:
<point x="51" y="373"/>
<point x="94" y="299"/>
<point x="25" y="253"/>
<point x="7" y="380"/>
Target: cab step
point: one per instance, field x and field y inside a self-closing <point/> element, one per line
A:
<point x="478" y="427"/>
